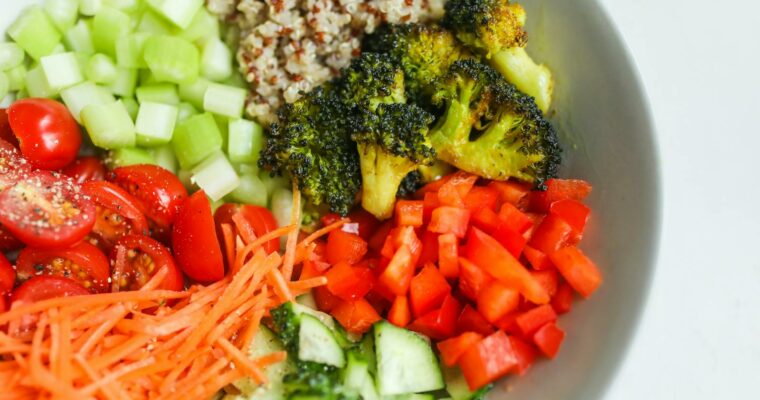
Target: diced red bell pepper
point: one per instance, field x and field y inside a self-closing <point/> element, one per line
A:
<point x="485" y="219"/>
<point x="325" y="300"/>
<point x="531" y="320"/>
<point x="448" y="255"/>
<point x="308" y="270"/>
<point x="488" y="360"/>
<point x="349" y="283"/>
<point x="429" y="253"/>
<point x="367" y="222"/>
<point x="427" y="290"/>
<point x="406" y="235"/>
<point x="377" y="240"/>
<point x="454" y="191"/>
<point x="515" y="219"/>
<point x="470" y="320"/>
<point x="450" y="220"/>
<point x="355" y="316"/>
<point x="510" y="239"/>
<point x="409" y="213"/>
<point x="525" y="353"/>
<point x="496" y="300"/>
<point x="439" y="324"/>
<point x="512" y="192"/>
<point x="452" y="349"/>
<point x="536" y="219"/>
<point x="573" y="211"/>
<point x="329" y="219"/>
<point x="559" y="189"/>
<point x="481" y="197"/>
<point x="485" y="252"/>
<point x="380" y="303"/>
<point x="472" y="279"/>
<point x="548" y="339"/>
<point x="344" y="246"/>
<point x="434" y="186"/>
<point x="562" y="302"/>
<point x="398" y="274"/>
<point x="553" y="234"/>
<point x="399" y="314"/>
<point x="389" y="247"/>
<point x="578" y="270"/>
<point x="537" y="259"/>
<point x="509" y="323"/>
<point x="549" y="279"/>
<point x="429" y="203"/>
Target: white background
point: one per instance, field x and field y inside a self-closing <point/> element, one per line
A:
<point x="700" y="63"/>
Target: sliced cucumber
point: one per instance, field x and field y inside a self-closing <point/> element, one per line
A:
<point x="457" y="386"/>
<point x="405" y="361"/>
<point x="356" y="377"/>
<point x="316" y="342"/>
<point x="410" y="396"/>
<point x="265" y="342"/>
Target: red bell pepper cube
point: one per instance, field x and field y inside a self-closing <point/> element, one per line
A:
<point x="515" y="193"/>
<point x="574" y="212"/>
<point x="562" y="302"/>
<point x="537" y="259"/>
<point x="488" y="360"/>
<point x="530" y="321"/>
<point x="429" y="203"/>
<point x="510" y="239"/>
<point x="472" y="279"/>
<point x="448" y="255"/>
<point x="578" y="270"/>
<point x="434" y="186"/>
<point x="344" y="246"/>
<point x="368" y="224"/>
<point x="378" y="238"/>
<point x="548" y="339"/>
<point x="329" y="219"/>
<point x="549" y="279"/>
<point x="380" y="303"/>
<point x="309" y="270"/>
<point x="355" y="316"/>
<point x="481" y="197"/>
<point x="325" y="300"/>
<point x="508" y="323"/>
<point x="485" y="219"/>
<point x="470" y="320"/>
<point x="450" y="220"/>
<point x="496" y="300"/>
<point x="489" y="254"/>
<point x="452" y="349"/>
<point x="559" y="189"/>
<point x="409" y="213"/>
<point x="525" y="353"/>
<point x="515" y="219"/>
<point x="427" y="290"/>
<point x="389" y="246"/>
<point x="399" y="313"/>
<point x="454" y="191"/>
<point x="439" y="324"/>
<point x="349" y="283"/>
<point x="553" y="234"/>
<point x="429" y="253"/>
<point x="398" y="274"/>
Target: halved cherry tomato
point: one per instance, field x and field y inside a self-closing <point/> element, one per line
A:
<point x="160" y="191"/>
<point x="118" y="214"/>
<point x="355" y="316"/>
<point x="344" y="246"/>
<point x="559" y="189"/>
<point x="3" y="304"/>
<point x="549" y="339"/>
<point x="85" y="169"/>
<point x="452" y="349"/>
<point x="83" y="263"/>
<point x="196" y="247"/>
<point x="7" y="276"/>
<point x="49" y="137"/>
<point x="8" y="242"/>
<point x="45" y="210"/>
<point x="488" y="360"/>
<point x="578" y="270"/>
<point x="12" y="165"/>
<point x="6" y="133"/>
<point x="261" y="220"/>
<point x="47" y="287"/>
<point x="137" y="258"/>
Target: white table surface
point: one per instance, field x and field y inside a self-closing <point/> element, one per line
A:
<point x="700" y="63"/>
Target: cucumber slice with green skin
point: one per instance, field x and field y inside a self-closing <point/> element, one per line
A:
<point x="410" y="396"/>
<point x="405" y="361"/>
<point x="317" y="343"/>
<point x="307" y="300"/>
<point x="457" y="386"/>
<point x="356" y="377"/>
<point x="265" y="342"/>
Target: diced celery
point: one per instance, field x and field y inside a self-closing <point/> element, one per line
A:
<point x="145" y="77"/>
<point x="109" y="125"/>
<point x="194" y="92"/>
<point x="216" y="60"/>
<point x="245" y="141"/>
<point x="101" y="69"/>
<point x="251" y="190"/>
<point x="159" y="93"/>
<point x="172" y="59"/>
<point x="61" y="70"/>
<point x="164" y="156"/>
<point x="180" y="12"/>
<point x="195" y="139"/>
<point x="216" y="176"/>
<point x="34" y="32"/>
<point x="185" y="111"/>
<point x="129" y="50"/>
<point x="84" y="94"/>
<point x="132" y="107"/>
<point x="90" y="7"/>
<point x="3" y="85"/>
<point x="155" y="123"/>
<point x="125" y="82"/>
<point x="11" y="55"/>
<point x="37" y="84"/>
<point x="273" y="182"/>
<point x="22" y="94"/>
<point x="126" y="156"/>
<point x="152" y="23"/>
<point x="203" y="27"/>
<point x="79" y="38"/>
<point x="248" y="168"/>
<point x="58" y="49"/>
<point x="16" y="78"/>
<point x="108" y="25"/>
<point x="224" y="100"/>
<point x="222" y="124"/>
<point x="63" y="13"/>
<point x="185" y="177"/>
<point x="128" y="6"/>
<point x="83" y="60"/>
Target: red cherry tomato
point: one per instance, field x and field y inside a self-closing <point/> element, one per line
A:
<point x="118" y="214"/>
<point x="137" y="258"/>
<point x="12" y="165"/>
<point x="160" y="191"/>
<point x="47" y="287"/>
<point x="44" y="210"/>
<point x="85" y="169"/>
<point x="8" y="242"/>
<point x="3" y="304"/>
<point x="196" y="247"/>
<point x="7" y="276"/>
<point x="6" y="133"/>
<point x="84" y="263"/>
<point x="261" y="220"/>
<point x="49" y="137"/>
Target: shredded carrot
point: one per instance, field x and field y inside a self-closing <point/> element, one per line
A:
<point x="290" y="247"/>
<point x="229" y="243"/>
<point x="244" y="228"/>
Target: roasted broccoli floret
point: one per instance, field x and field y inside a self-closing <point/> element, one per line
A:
<point x="311" y="143"/>
<point x="424" y="52"/>
<point x="496" y="29"/>
<point x="410" y="184"/>
<point x="491" y="129"/>
<point x="369" y="80"/>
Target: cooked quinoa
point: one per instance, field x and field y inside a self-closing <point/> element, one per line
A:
<point x="288" y="47"/>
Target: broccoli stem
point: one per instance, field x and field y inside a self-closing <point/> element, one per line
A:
<point x="382" y="173"/>
<point x="530" y="78"/>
